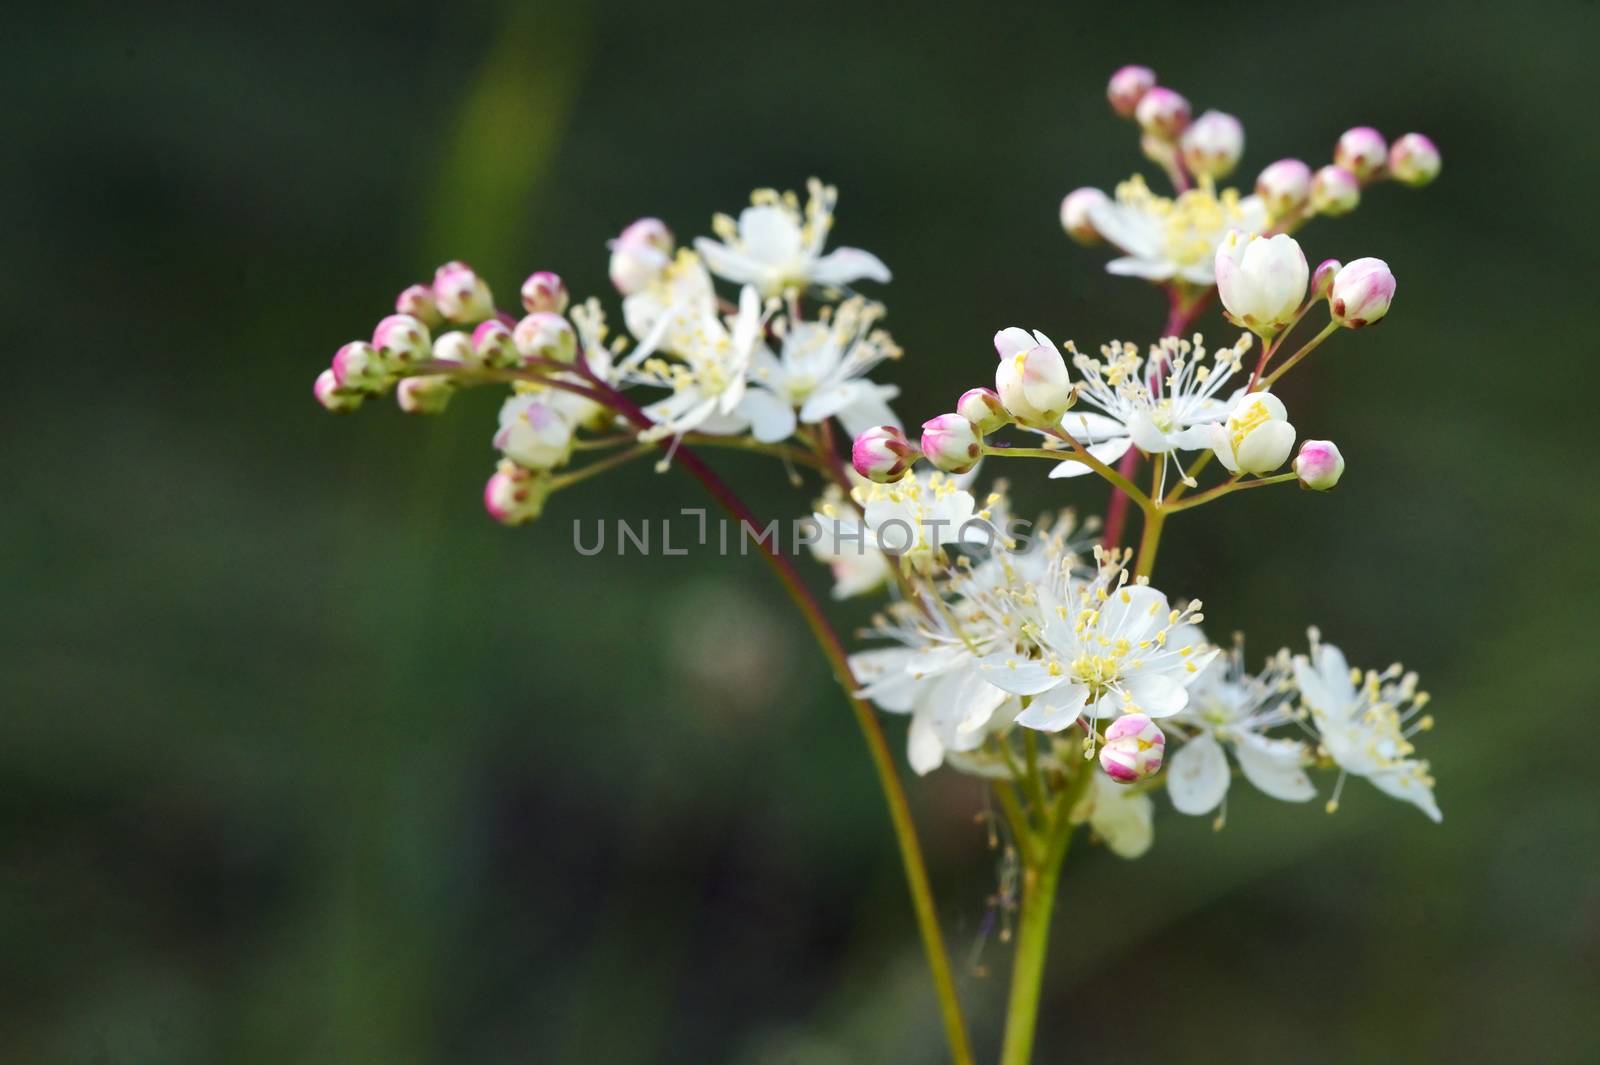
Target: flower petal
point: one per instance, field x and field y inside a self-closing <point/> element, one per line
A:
<point x="1197" y="776"/>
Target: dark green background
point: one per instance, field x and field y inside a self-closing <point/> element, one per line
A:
<point x="302" y="759"/>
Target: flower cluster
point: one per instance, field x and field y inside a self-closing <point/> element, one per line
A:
<point x="1025" y="654"/>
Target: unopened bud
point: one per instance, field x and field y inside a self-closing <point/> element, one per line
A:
<point x="639" y="254"/>
<point x="1335" y="191"/>
<point x="1127" y="87"/>
<point x="533" y="433"/>
<point x="1213" y="144"/>
<point x="882" y="454"/>
<point x="1319" y="465"/>
<point x="454" y="346"/>
<point x="418" y="301"/>
<point x="492" y="344"/>
<point x="424" y="394"/>
<point x="982" y="407"/>
<point x="1362" y="151"/>
<point x="546" y="335"/>
<point x="1361" y="293"/>
<point x="1032" y="379"/>
<point x="1134" y="749"/>
<point x="402" y="340"/>
<point x="951" y="442"/>
<point x="332" y="397"/>
<point x="1075" y="209"/>
<point x="1162" y="113"/>
<point x="1285" y="187"/>
<point x="514" y="495"/>
<point x="1322" y="278"/>
<point x="461" y="294"/>
<point x="544" y="291"/>
<point x="358" y="366"/>
<point x="1414" y="160"/>
<point x="1261" y="280"/>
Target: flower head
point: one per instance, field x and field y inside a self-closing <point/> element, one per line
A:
<point x="1164" y="239"/>
<point x="1261" y="280"/>
<point x="776" y="246"/>
<point x="1256" y="437"/>
<point x="820" y="373"/>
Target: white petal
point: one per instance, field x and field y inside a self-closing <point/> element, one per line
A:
<point x="1275" y="767"/>
<point x="770" y="234"/>
<point x="844" y="265"/>
<point x="1156" y="695"/>
<point x="923" y="750"/>
<point x="869" y="409"/>
<point x="728" y="263"/>
<point x="1012" y="341"/>
<point x="1197" y="776"/>
<point x="1149" y="269"/>
<point x="771" y="419"/>
<point x="1087" y="427"/>
<point x="1408" y="785"/>
<point x="1019" y="676"/>
<point x="1108" y="452"/>
<point x="1054" y="710"/>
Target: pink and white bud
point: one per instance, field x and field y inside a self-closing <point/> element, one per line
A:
<point x="332" y="397"/>
<point x="1322" y="278"/>
<point x="454" y="346"/>
<point x="1031" y="378"/>
<point x="982" y="407"/>
<point x="1261" y="280"/>
<point x="951" y="442"/>
<point x="514" y="495"/>
<point x="418" y="302"/>
<point x="492" y="344"/>
<point x="1134" y="749"/>
<point x="882" y="454"/>
<point x="1362" y="151"/>
<point x="1414" y="160"/>
<point x="1075" y="209"/>
<point x="402" y="341"/>
<point x="1162" y="113"/>
<point x="1285" y="187"/>
<point x="533" y="433"/>
<point x="1361" y="293"/>
<point x="546" y="335"/>
<point x="1213" y="144"/>
<point x="1127" y="87"/>
<point x="639" y="255"/>
<point x="358" y="366"/>
<point x="1319" y="465"/>
<point x="544" y="291"/>
<point x="461" y="294"/>
<point x="1335" y="191"/>
<point x="426" y="394"/>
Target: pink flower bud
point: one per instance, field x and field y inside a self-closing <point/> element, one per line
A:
<point x="1284" y="186"/>
<point x="544" y="291"/>
<point x="1335" y="191"/>
<point x="402" y="340"/>
<point x="1414" y="160"/>
<point x="1319" y="465"/>
<point x="1213" y="144"/>
<point x="461" y="294"/>
<point x="1322" y="278"/>
<point x="514" y="495"/>
<point x="1361" y="151"/>
<point x="545" y="335"/>
<point x="639" y="254"/>
<point x="1134" y="749"/>
<point x="982" y="407"/>
<point x="951" y="443"/>
<point x="492" y="344"/>
<point x="454" y="346"/>
<point x="426" y="394"/>
<point x="1361" y="293"/>
<point x="1162" y="113"/>
<point x="1127" y="87"/>
<point x="358" y="366"/>
<point x="882" y="454"/>
<point x="332" y="397"/>
<point x="417" y="301"/>
<point x="1075" y="210"/>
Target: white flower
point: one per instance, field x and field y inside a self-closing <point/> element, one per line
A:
<point x="857" y="569"/>
<point x="1231" y="709"/>
<point x="533" y="433"/>
<point x="708" y="378"/>
<point x="1158" y="412"/>
<point x="1031" y="378"/>
<point x="775" y="248"/>
<point x="1366" y="723"/>
<point x="1163" y="239"/>
<point x="1123" y="819"/>
<point x="1261" y="280"/>
<point x="912" y="520"/>
<point x="681" y="286"/>
<point x="1256" y="437"/>
<point x="952" y="706"/>
<point x="1096" y="649"/>
<point x="820" y="372"/>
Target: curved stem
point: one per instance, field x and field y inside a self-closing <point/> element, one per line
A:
<point x="1149" y="542"/>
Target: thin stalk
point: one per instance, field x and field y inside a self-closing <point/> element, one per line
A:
<point x="1150" y="542"/>
<point x="1310" y="346"/>
<point x="1228" y="488"/>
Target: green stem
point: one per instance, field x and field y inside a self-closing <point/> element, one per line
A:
<point x="1078" y="454"/>
<point x="1150" y="541"/>
<point x="1310" y="346"/>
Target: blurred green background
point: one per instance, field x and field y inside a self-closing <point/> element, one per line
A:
<point x="302" y="759"/>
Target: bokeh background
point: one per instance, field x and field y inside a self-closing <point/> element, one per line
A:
<point x="302" y="759"/>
